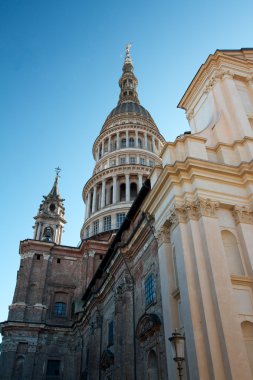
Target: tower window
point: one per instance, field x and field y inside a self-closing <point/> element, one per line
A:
<point x="133" y="191"/>
<point x="150" y="290"/>
<point x="132" y="160"/>
<point x="151" y="163"/>
<point x="139" y="143"/>
<point x="38" y="257"/>
<point x="58" y="261"/>
<point x="52" y="207"/>
<point x="123" y="143"/>
<point x="131" y="142"/>
<point x="53" y="368"/>
<point x="60" y="309"/>
<point x="122" y="192"/>
<point x="110" y="334"/>
<point x="95" y="227"/>
<point x="122" y="160"/>
<point x="107" y="223"/>
<point x="88" y="231"/>
<point x="120" y="219"/>
<point x="142" y="161"/>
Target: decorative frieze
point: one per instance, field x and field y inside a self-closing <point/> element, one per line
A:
<point x="242" y="214"/>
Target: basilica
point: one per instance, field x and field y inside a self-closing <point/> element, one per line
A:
<point x="165" y="260"/>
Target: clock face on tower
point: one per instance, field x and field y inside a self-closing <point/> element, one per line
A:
<point x="52" y="207"/>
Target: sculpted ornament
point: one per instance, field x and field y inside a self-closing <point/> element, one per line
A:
<point x="162" y="235"/>
<point x="243" y="214"/>
<point x="208" y="207"/>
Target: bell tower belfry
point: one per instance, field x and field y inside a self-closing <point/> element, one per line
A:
<point x="50" y="220"/>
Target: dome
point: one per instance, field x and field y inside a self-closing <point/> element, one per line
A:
<point x="129" y="108"/>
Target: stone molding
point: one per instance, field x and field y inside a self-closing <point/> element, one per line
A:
<point x="242" y="214"/>
<point x="190" y="209"/>
<point x="162" y="235"/>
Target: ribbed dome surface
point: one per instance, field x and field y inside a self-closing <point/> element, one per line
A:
<point x="129" y="107"/>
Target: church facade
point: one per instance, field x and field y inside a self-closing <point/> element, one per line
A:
<point x="166" y="244"/>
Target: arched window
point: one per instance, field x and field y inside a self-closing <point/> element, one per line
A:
<point x="111" y="195"/>
<point x="131" y="142"/>
<point x="139" y="143"/>
<point x="48" y="234"/>
<point x="60" y="309"/>
<point x="122" y="191"/>
<point x="123" y="143"/>
<point x="133" y="191"/>
<point x="247" y="331"/>
<point x="232" y="253"/>
<point x="152" y="366"/>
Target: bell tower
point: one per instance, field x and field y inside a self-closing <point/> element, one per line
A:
<point x="50" y="220"/>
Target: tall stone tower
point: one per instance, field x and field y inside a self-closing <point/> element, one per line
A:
<point x="125" y="152"/>
<point x="50" y="220"/>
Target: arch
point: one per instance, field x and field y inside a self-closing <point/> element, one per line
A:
<point x="123" y="143"/>
<point x="131" y="142"/>
<point x="247" y="331"/>
<point x="122" y="192"/>
<point x="133" y="191"/>
<point x="48" y="233"/>
<point x="152" y="366"/>
<point x="232" y="253"/>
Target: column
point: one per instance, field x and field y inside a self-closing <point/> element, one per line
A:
<point x="114" y="192"/>
<point x="140" y="181"/>
<point x="117" y="141"/>
<point x="127" y="139"/>
<point x="145" y="141"/>
<point x="103" y="194"/>
<point x="136" y="139"/>
<point x="87" y="213"/>
<point x="127" y="187"/>
<point x="94" y="199"/>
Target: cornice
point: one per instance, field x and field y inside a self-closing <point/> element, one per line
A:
<point x="192" y="168"/>
<point x="210" y="69"/>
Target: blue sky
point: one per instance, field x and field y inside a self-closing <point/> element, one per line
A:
<point x="59" y="68"/>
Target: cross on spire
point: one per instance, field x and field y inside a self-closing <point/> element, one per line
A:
<point x="57" y="171"/>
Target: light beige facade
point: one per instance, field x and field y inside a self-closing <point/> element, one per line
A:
<point x="202" y="207"/>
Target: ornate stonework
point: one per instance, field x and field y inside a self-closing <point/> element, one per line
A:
<point x="242" y="214"/>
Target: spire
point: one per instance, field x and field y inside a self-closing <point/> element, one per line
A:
<point x="128" y="82"/>
<point x="50" y="220"/>
<point x="54" y="192"/>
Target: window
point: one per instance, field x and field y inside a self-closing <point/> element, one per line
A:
<point x="150" y="290"/>
<point x="58" y="261"/>
<point x="122" y="192"/>
<point x="142" y="161"/>
<point x="110" y="334"/>
<point x="151" y="163"/>
<point x="122" y="160"/>
<point x="88" y="231"/>
<point x="107" y="223"/>
<point x="60" y="309"/>
<point x="120" y="219"/>
<point x="132" y="160"/>
<point x="131" y="142"/>
<point x="95" y="227"/>
<point x="113" y="162"/>
<point x="53" y="368"/>
<point x="139" y="143"/>
<point x="133" y="191"/>
<point x="123" y="143"/>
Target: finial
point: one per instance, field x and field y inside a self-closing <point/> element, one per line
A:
<point x="128" y="57"/>
<point x="128" y="47"/>
<point x="57" y="171"/>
